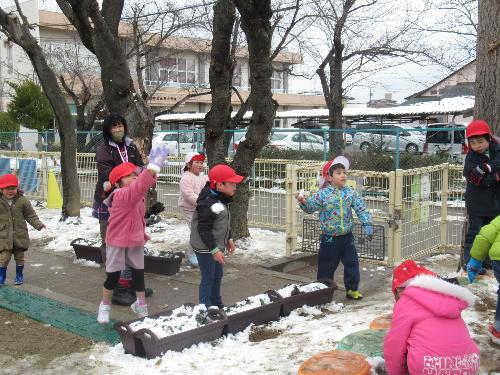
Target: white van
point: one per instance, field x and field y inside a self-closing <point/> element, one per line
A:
<point x="446" y="143"/>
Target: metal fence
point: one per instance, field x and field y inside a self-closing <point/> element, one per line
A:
<point x="421" y="210"/>
<point x="369" y="147"/>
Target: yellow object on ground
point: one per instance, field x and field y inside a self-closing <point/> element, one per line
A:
<point x="54" y="197"/>
<point x="381" y="322"/>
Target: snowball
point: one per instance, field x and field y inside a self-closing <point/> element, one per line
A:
<point x="217" y="208"/>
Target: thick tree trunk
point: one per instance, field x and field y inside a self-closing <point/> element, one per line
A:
<point x="487" y="106"/>
<point x="255" y="22"/>
<point x="335" y="107"/>
<point x="20" y="34"/>
<point x="221" y="75"/>
<point x="98" y="30"/>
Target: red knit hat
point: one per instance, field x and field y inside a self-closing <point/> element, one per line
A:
<point x="476" y="128"/>
<point x="223" y="173"/>
<point x="8" y="180"/>
<point x="407" y="271"/>
<point x="120" y="171"/>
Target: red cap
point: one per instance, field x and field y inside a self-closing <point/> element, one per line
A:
<point x="407" y="271"/>
<point x="476" y="128"/>
<point x="8" y="180"/>
<point x="120" y="171"/>
<point x="223" y="173"/>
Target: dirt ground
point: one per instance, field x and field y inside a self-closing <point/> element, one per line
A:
<point x="26" y="340"/>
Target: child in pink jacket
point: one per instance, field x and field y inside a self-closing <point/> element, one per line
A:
<point x="428" y="334"/>
<point x="125" y="236"/>
<point x="192" y="182"/>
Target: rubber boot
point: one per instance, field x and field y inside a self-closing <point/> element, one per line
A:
<point x="122" y="296"/>
<point x="3" y="273"/>
<point x="19" y="274"/>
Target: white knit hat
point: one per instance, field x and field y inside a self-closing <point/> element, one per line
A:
<point x="190" y="156"/>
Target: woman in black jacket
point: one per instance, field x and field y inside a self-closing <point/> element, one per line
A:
<point x="116" y="149"/>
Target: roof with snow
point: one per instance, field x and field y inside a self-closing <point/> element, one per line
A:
<point x="452" y="106"/>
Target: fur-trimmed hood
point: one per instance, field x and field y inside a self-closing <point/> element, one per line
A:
<point x="439" y="296"/>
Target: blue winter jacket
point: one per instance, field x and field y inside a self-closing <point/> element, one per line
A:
<point x="335" y="207"/>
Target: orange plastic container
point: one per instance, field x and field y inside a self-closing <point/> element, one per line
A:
<point x="381" y="322"/>
<point x="335" y="362"/>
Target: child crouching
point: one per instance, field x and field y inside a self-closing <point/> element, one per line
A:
<point x="125" y="236"/>
<point x="428" y="334"/>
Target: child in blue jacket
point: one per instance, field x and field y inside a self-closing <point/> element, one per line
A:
<point x="335" y="203"/>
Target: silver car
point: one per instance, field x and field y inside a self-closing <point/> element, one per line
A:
<point x="385" y="139"/>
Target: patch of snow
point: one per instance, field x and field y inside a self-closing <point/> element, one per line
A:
<point x="86" y="263"/>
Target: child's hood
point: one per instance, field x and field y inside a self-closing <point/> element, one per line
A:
<point x="438" y="296"/>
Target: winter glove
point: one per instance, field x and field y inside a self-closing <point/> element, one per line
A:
<point x="158" y="157"/>
<point x="473" y="268"/>
<point x="155" y="209"/>
<point x="369" y="232"/>
<point x="485" y="167"/>
<point x="476" y="176"/>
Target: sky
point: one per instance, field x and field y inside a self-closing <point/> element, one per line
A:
<point x="401" y="81"/>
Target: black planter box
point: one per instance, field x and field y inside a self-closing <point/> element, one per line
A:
<point x="153" y="346"/>
<point x="259" y="315"/>
<point x="163" y="265"/>
<point x="93" y="253"/>
<point x="168" y="266"/>
<point x="315" y="298"/>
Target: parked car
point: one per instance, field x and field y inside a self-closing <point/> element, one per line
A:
<point x="410" y="139"/>
<point x="302" y="141"/>
<point x="179" y="143"/>
<point x="446" y="143"/>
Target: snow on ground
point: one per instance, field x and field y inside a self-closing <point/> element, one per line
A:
<point x="168" y="235"/>
<point x="307" y="331"/>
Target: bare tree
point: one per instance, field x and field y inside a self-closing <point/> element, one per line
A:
<point x="17" y="29"/>
<point x="451" y="30"/>
<point x="78" y="73"/>
<point x="98" y="28"/>
<point x="487" y="104"/>
<point x="364" y="37"/>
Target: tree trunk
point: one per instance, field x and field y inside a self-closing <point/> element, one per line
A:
<point x="255" y="22"/>
<point x="221" y="76"/>
<point x="98" y="30"/>
<point x="335" y="107"/>
<point x="487" y="106"/>
<point x="20" y="34"/>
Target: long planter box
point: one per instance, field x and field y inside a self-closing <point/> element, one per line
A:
<point x="257" y="316"/>
<point x="153" y="346"/>
<point x="158" y="265"/>
<point x="315" y="298"/>
<point x="145" y="343"/>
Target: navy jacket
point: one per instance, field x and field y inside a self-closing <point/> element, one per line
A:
<point x="483" y="200"/>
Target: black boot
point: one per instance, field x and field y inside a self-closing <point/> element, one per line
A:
<point x="123" y="296"/>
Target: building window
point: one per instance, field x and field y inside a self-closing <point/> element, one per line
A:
<point x="277" y="81"/>
<point x="177" y="70"/>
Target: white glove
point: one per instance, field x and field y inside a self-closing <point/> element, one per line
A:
<point x="158" y="157"/>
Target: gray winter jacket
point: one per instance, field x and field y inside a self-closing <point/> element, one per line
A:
<point x="210" y="227"/>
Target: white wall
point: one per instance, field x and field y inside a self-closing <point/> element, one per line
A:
<point x="18" y="67"/>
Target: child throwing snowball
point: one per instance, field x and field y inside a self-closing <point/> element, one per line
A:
<point x="335" y="203"/>
<point x="125" y="236"/>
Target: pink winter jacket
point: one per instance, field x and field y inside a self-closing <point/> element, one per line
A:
<point x="190" y="187"/>
<point x="427" y="334"/>
<point x="126" y="226"/>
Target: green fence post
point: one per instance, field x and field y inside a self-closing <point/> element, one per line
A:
<point x="325" y="145"/>
<point x="396" y="162"/>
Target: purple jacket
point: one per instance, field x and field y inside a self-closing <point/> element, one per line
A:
<point x="427" y="334"/>
<point x="126" y="213"/>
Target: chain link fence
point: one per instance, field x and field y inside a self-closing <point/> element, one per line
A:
<point x="419" y="210"/>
